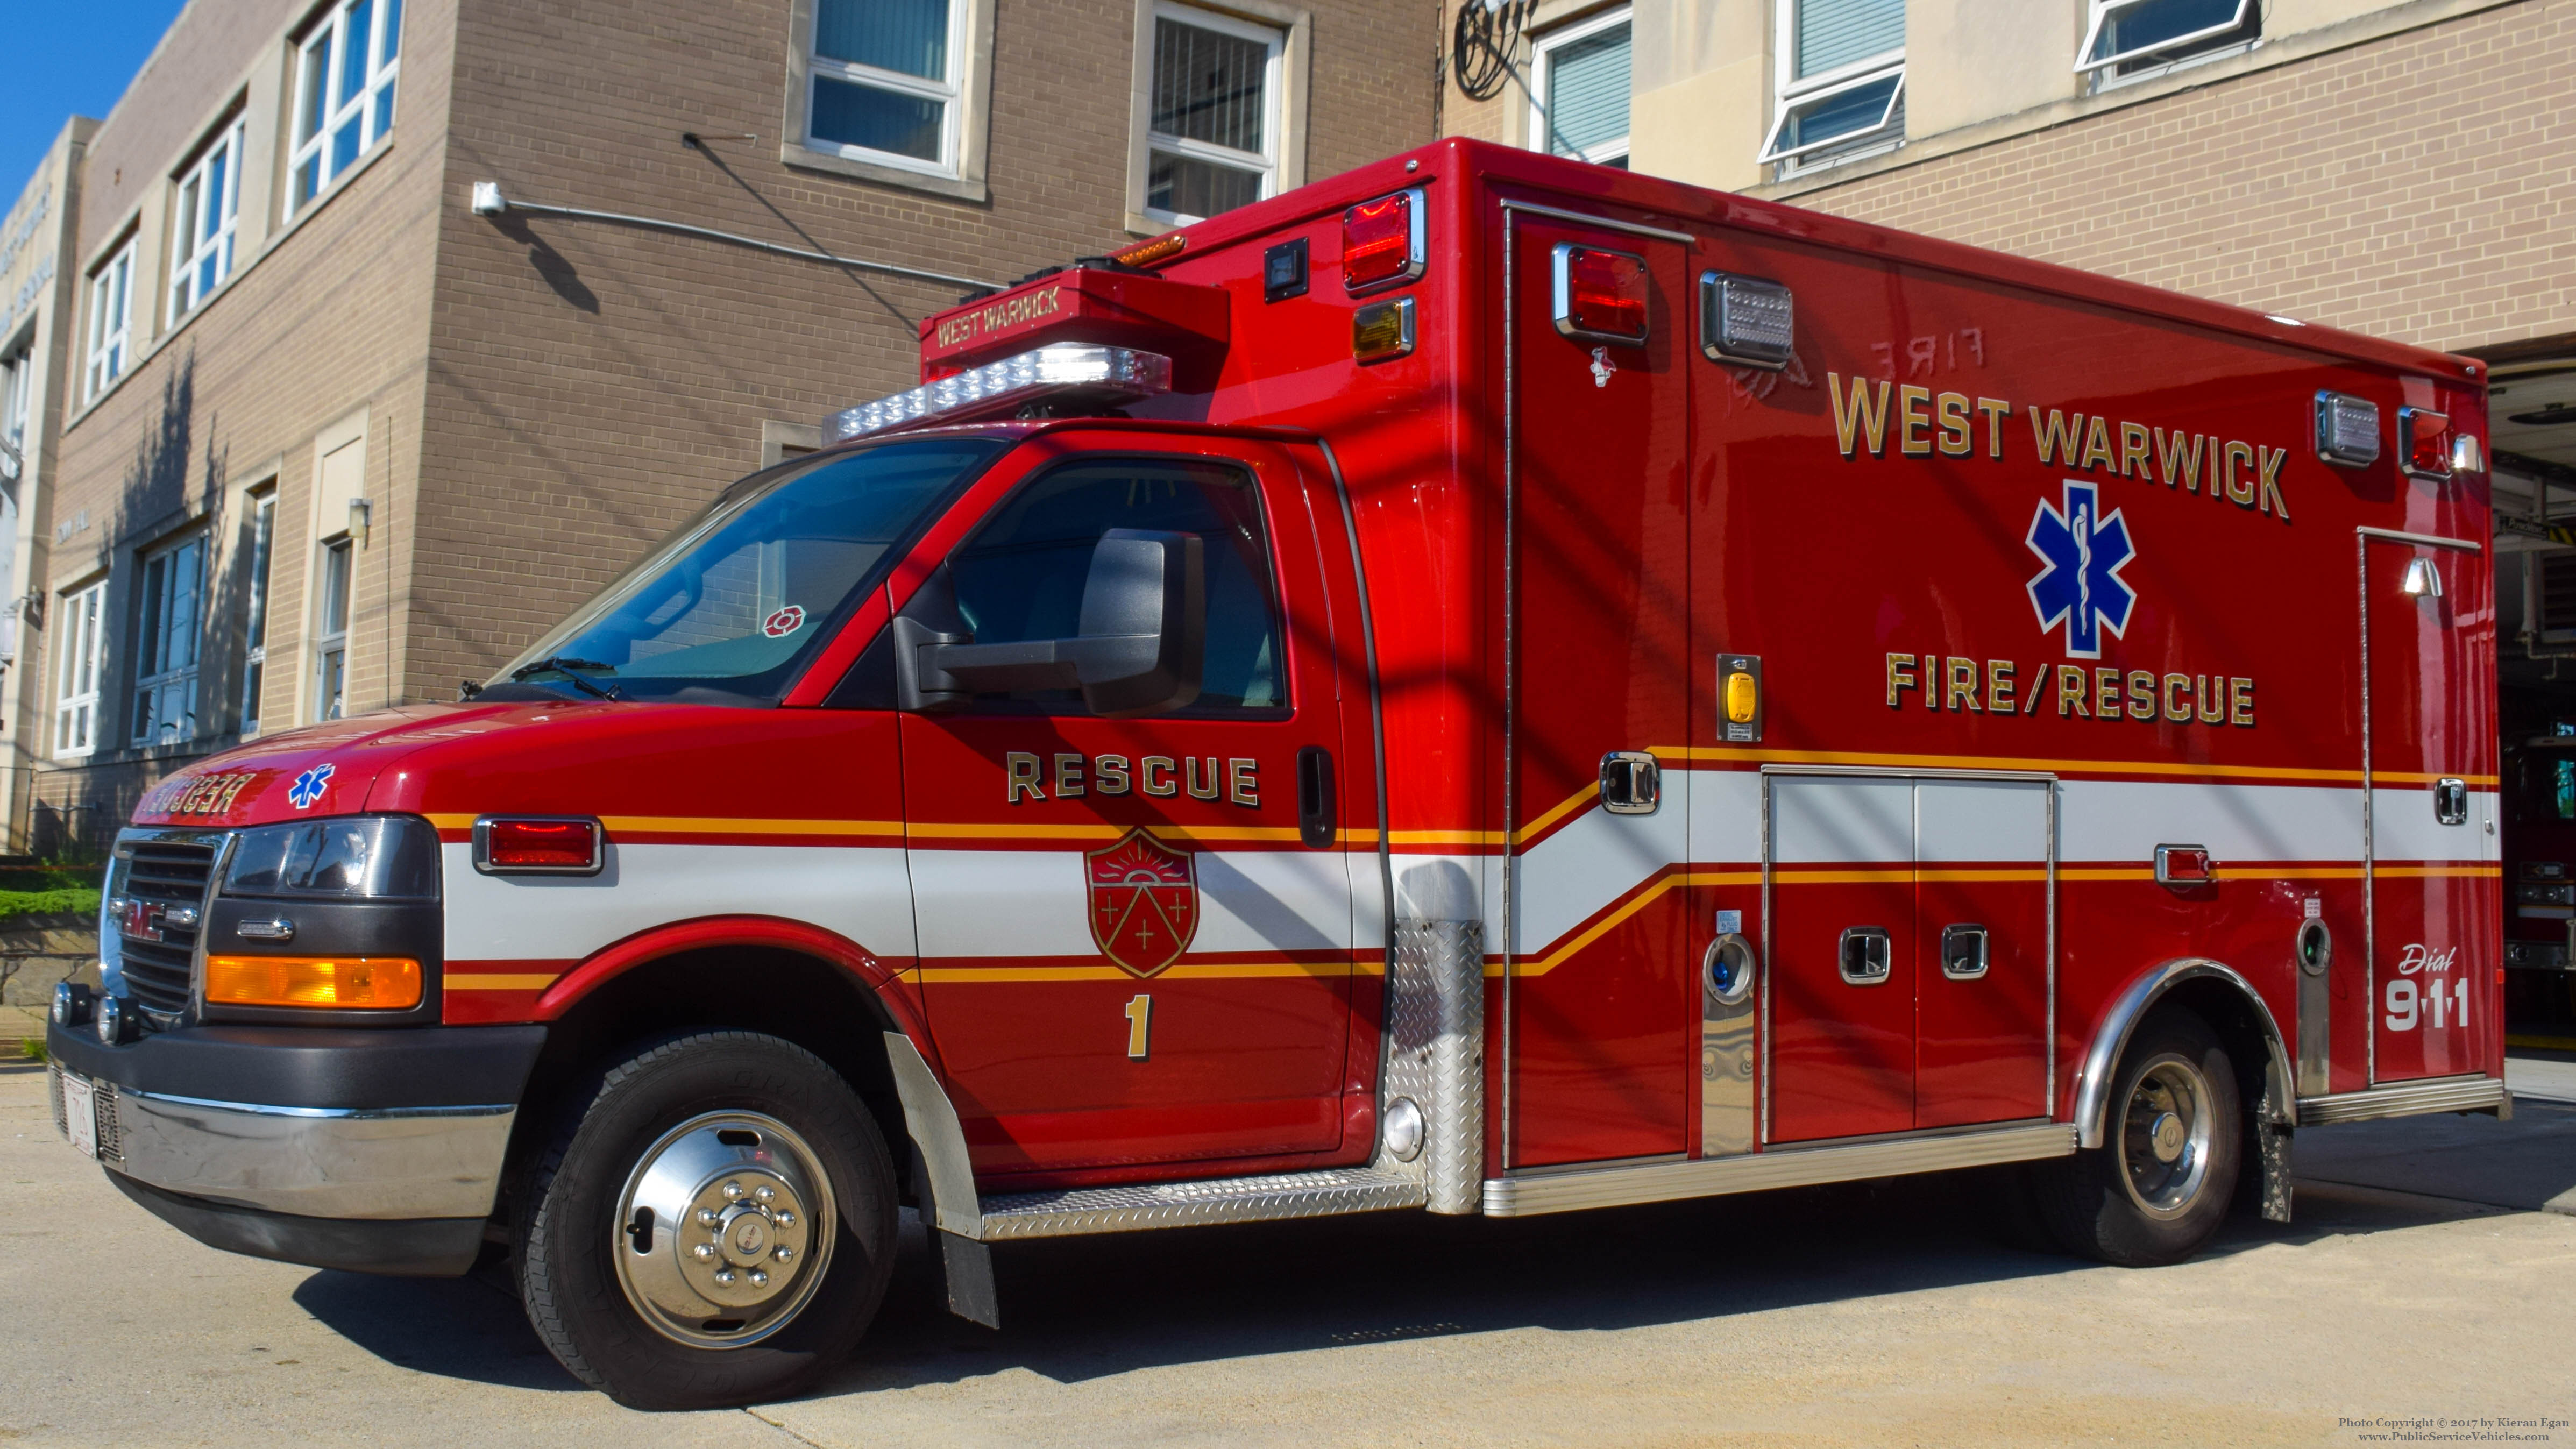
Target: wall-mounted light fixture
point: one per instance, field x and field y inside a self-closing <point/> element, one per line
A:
<point x="361" y="513"/>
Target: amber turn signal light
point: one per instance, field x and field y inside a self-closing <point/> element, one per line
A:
<point x="376" y="983"/>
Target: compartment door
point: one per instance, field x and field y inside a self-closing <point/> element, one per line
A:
<point x="1981" y="852"/>
<point x="1843" y="956"/>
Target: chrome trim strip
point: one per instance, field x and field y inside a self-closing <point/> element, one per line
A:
<point x="1588" y="219"/>
<point x="336" y="1114"/>
<point x="2429" y="540"/>
<point x="1525" y="1196"/>
<point x="2102" y="1058"/>
<point x="2404" y="1099"/>
<point x="930" y="1119"/>
<point x="1189" y="1204"/>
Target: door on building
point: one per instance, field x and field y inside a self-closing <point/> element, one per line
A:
<point x="1909" y="953"/>
<point x="2427" y="836"/>
<point x="1602" y="1022"/>
<point x="1131" y="953"/>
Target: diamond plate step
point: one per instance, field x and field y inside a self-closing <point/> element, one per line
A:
<point x="1190" y="1204"/>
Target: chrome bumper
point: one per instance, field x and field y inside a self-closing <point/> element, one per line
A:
<point x="391" y="1163"/>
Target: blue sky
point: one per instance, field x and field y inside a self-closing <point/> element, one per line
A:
<point x="66" y="57"/>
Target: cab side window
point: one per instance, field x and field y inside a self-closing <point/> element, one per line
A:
<point x="1020" y="575"/>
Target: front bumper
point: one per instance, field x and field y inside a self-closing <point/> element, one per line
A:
<point x="373" y="1150"/>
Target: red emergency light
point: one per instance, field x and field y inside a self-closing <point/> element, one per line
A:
<point x="2424" y="442"/>
<point x="538" y="845"/>
<point x="1382" y="243"/>
<point x="1600" y="295"/>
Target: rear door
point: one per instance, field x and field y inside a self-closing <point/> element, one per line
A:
<point x="1130" y="954"/>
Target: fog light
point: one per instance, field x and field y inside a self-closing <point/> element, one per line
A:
<point x="115" y="1020"/>
<point x="71" y="1004"/>
<point x="376" y="983"/>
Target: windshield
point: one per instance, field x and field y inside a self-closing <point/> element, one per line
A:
<point x="729" y="607"/>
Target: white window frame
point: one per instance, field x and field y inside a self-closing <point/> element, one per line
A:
<point x="1274" y="110"/>
<point x="2103" y="11"/>
<point x="949" y="91"/>
<point x="163" y="632"/>
<point x="1541" y="136"/>
<point x="263" y="549"/>
<point x="17" y="385"/>
<point x="81" y="630"/>
<point x="329" y="39"/>
<point x="331" y="647"/>
<point x="111" y="320"/>
<point x="207" y="220"/>
<point x="1790" y="93"/>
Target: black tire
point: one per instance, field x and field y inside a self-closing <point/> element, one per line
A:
<point x="568" y="1240"/>
<point x="2127" y="1202"/>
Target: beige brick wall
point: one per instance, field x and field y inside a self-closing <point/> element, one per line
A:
<point x="2415" y="187"/>
<point x="592" y="384"/>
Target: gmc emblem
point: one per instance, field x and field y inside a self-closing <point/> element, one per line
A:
<point x="138" y="920"/>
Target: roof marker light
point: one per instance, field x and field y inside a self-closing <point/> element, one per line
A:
<point x="1746" y="320"/>
<point x="1600" y="295"/>
<point x="1382" y="243"/>
<point x="1060" y="371"/>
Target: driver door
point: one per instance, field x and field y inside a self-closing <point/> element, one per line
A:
<point x="1131" y="953"/>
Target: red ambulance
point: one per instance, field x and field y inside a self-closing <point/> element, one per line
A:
<point x="1486" y="684"/>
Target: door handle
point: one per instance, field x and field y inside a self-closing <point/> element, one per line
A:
<point x="1866" y="955"/>
<point x="1315" y="797"/>
<point x="1963" y="952"/>
<point x="1631" y="783"/>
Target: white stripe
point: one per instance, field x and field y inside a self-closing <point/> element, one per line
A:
<point x="861" y="893"/>
<point x="1034" y="902"/>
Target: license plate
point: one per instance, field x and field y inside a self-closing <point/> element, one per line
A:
<point x="80" y="1114"/>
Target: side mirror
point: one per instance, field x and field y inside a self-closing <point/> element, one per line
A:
<point x="1142" y="639"/>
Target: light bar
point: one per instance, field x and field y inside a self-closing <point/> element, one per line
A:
<point x="1058" y="370"/>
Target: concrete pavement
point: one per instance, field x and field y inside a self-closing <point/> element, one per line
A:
<point x="2414" y="1283"/>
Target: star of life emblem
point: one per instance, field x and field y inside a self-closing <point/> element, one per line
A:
<point x="308" y="787"/>
<point x="1144" y="902"/>
<point x="2085" y="550"/>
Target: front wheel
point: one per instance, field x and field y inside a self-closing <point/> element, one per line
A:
<point x="2157" y="1190"/>
<point x="713" y="1223"/>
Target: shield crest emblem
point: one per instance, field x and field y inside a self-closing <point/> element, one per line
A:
<point x="1144" y="899"/>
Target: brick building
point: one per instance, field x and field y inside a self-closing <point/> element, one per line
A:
<point x="330" y="439"/>
<point x="2395" y="167"/>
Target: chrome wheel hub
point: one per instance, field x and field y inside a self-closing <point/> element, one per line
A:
<point x="2165" y="1137"/>
<point x="724" y="1230"/>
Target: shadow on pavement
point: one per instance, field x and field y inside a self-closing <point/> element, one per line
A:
<point x="1084" y="1308"/>
<point x="460" y="1328"/>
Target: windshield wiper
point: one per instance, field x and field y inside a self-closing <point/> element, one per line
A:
<point x="570" y="669"/>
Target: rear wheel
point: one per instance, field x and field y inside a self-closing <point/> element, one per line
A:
<point x="713" y="1224"/>
<point x="2159" y="1186"/>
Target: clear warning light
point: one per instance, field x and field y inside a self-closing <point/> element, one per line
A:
<point x="1746" y="320"/>
<point x="1059" y="371"/>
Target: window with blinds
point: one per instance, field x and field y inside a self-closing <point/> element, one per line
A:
<point x="883" y="82"/>
<point x="1212" y="126"/>
<point x="1840" y="84"/>
<point x="1579" y="91"/>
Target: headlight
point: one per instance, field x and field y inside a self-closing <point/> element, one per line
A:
<point x="344" y="857"/>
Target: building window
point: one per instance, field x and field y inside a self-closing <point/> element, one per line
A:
<point x="111" y="319"/>
<point x="1840" y="82"/>
<point x="76" y="683"/>
<point x="263" y="531"/>
<point x="344" y="93"/>
<point x="1579" y="91"/>
<point x="331" y="631"/>
<point x="883" y="82"/>
<point x="2124" y="37"/>
<point x="17" y="386"/>
<point x="209" y="203"/>
<point x="167" y="610"/>
<point x="1213" y="120"/>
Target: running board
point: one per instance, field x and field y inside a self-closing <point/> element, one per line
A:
<point x="1557" y="1192"/>
<point x="2408" y="1099"/>
<point x="1128" y="1209"/>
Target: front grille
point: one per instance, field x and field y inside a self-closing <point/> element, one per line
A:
<point x="169" y="873"/>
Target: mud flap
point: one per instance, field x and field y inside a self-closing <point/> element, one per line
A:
<point x="967" y="1267"/>
<point x="2272" y="1141"/>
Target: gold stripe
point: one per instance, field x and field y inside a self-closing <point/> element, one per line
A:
<point x="1630" y="907"/>
<point x="964" y="831"/>
<point x="500" y="983"/>
<point x="1981" y="762"/>
<point x="1244" y="971"/>
<point x="1444" y="837"/>
<point x="1564" y="807"/>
